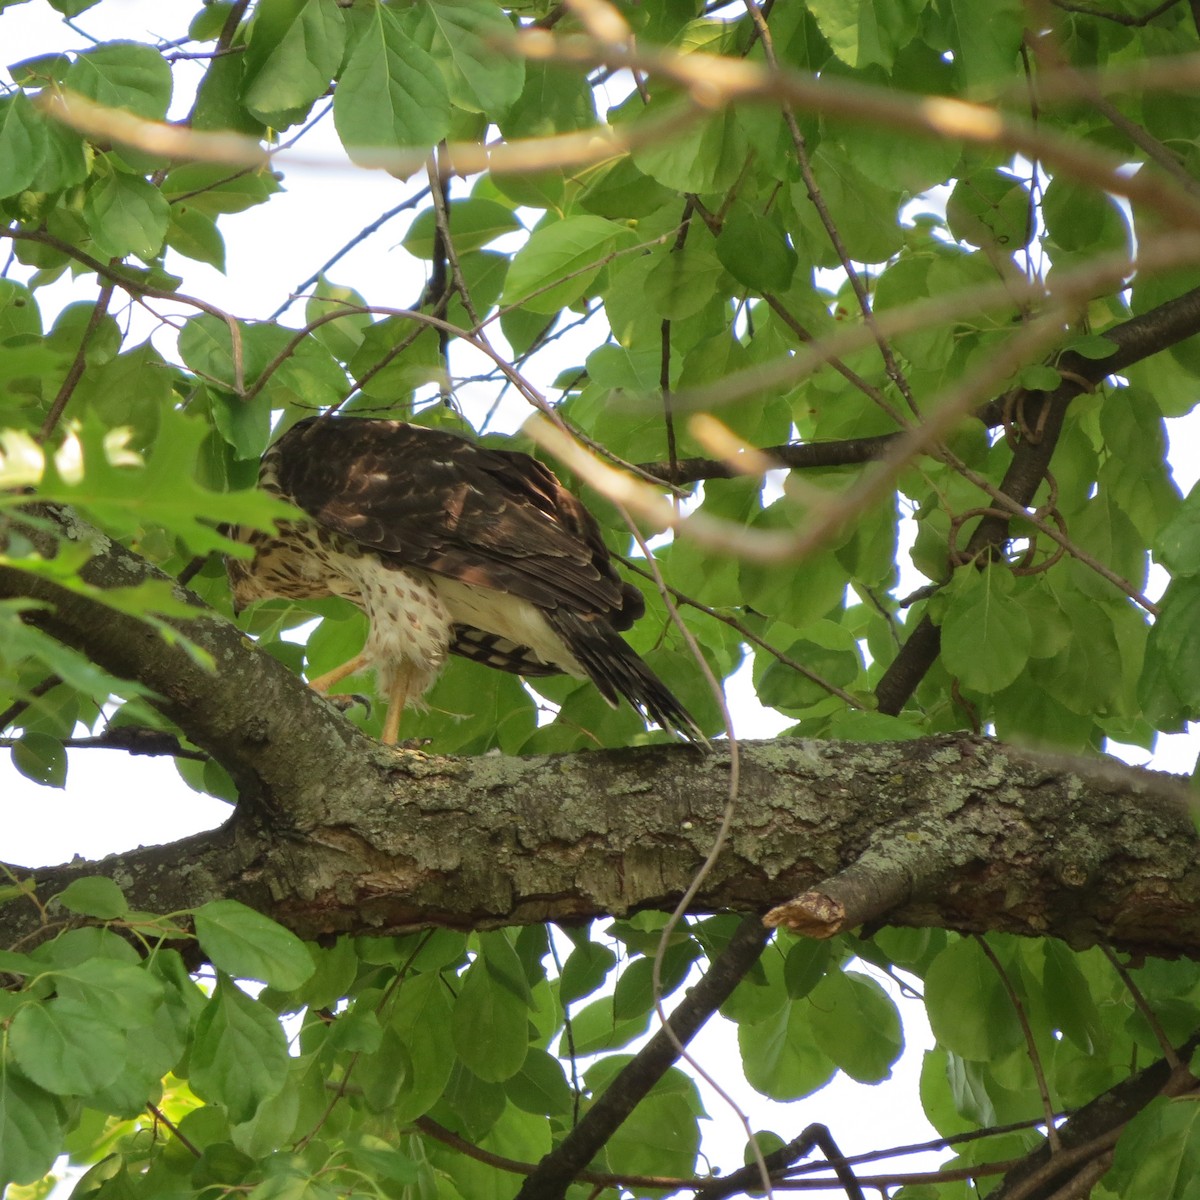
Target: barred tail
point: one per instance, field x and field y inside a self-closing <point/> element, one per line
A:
<point x="615" y="668"/>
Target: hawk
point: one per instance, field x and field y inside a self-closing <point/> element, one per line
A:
<point x="448" y="547"/>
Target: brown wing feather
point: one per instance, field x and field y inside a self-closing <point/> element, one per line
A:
<point x="429" y="499"/>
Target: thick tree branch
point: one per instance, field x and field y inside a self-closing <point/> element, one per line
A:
<point x="1014" y="841"/>
<point x="342" y="835"/>
<point x="275" y="736"/>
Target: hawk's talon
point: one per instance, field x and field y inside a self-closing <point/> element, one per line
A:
<point x="344" y="702"/>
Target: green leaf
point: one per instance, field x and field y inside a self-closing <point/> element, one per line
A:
<point x="855" y="1022"/>
<point x="490" y="1026"/>
<point x="31" y="1130"/>
<point x="990" y="208"/>
<point x="704" y="155"/>
<point x="585" y="970"/>
<point x="1069" y="1001"/>
<point x="213" y="190"/>
<point x="683" y="281"/>
<point x="1159" y="1151"/>
<point x="422" y="1023"/>
<point x="559" y="262"/>
<point x="986" y="634"/>
<point x="985" y="52"/>
<point x="504" y="964"/>
<point x="19" y="313"/>
<point x="805" y="965"/>
<point x="1080" y="217"/>
<point x="1094" y="346"/>
<point x="124" y="75"/>
<point x="295" y="48"/>
<point x="194" y="234"/>
<point x="473" y="222"/>
<point x="66" y="1051"/>
<point x="867" y="31"/>
<point x="540" y="1086"/>
<point x="594" y="1028"/>
<point x="780" y="1055"/>
<point x="969" y="1010"/>
<point x="754" y="249"/>
<point x="22" y="144"/>
<point x="391" y="92"/>
<point x="239" y="1056"/>
<point x="245" y="944"/>
<point x="662" y="1133"/>
<point x="126" y="215"/>
<point x="634" y="993"/>
<point x="94" y="896"/>
<point x="473" y="42"/>
<point x="124" y="497"/>
<point x="554" y="99"/>
<point x="1169" y="689"/>
<point x="126" y="992"/>
<point x="1178" y="544"/>
<point x="40" y="757"/>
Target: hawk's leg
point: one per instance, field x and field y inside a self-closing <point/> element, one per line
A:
<point x="397" y="698"/>
<point x="323" y="683"/>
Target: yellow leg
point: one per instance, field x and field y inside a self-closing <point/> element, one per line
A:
<point x="323" y="683"/>
<point x="396" y="702"/>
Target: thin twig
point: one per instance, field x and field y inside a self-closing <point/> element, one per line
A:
<point x="1143" y="1006"/>
<point x="78" y="363"/>
<point x="1035" y="1058"/>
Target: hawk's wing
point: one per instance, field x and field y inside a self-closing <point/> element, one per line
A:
<point x="498" y="519"/>
<point x="429" y="499"/>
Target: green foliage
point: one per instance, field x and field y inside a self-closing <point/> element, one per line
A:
<point x="638" y="255"/>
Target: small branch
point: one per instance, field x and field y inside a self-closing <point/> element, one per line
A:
<point x="78" y="363"/>
<point x="1132" y="20"/>
<point x="131" y="739"/>
<point x="1143" y="1006"/>
<point x="562" y="1165"/>
<point x="338" y="255"/>
<point x="1035" y="1059"/>
<point x="1135" y="339"/>
<point x="826" y="217"/>
<point x="792" y="455"/>
<point x="162" y="1119"/>
<point x="748" y="1178"/>
<point x="1090" y="1132"/>
<point x="846" y="697"/>
<point x="882" y="879"/>
<point x="39" y="689"/>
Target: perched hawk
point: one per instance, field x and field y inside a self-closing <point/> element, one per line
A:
<point x="448" y="547"/>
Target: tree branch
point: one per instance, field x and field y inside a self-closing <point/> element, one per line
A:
<point x="557" y="1169"/>
<point x="1091" y="1131"/>
<point x="1135" y="339"/>
<point x="275" y="736"/>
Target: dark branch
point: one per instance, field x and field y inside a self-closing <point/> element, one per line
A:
<point x="1045" y="412"/>
<point x="815" y="1137"/>
<point x="1093" y="1129"/>
<point x="264" y="726"/>
<point x="800" y="455"/>
<point x="558" y="1169"/>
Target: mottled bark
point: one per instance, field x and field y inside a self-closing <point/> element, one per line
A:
<point x="339" y="834"/>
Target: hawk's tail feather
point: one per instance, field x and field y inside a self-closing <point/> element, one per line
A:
<point x="617" y="670"/>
